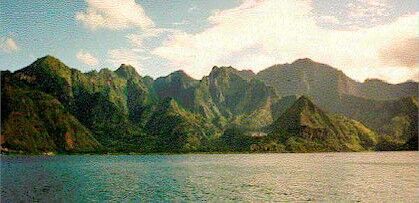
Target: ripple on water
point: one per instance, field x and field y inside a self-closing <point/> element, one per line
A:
<point x="237" y="177"/>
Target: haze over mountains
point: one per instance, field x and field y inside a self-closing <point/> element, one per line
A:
<point x="304" y="106"/>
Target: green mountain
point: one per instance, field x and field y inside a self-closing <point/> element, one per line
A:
<point x="305" y="128"/>
<point x="48" y="106"/>
<point x="109" y="103"/>
<point x="225" y="96"/>
<point x="173" y="129"/>
<point x="33" y="121"/>
<point x="388" y="109"/>
<point x="396" y="120"/>
<point x="234" y="94"/>
<point x="188" y="92"/>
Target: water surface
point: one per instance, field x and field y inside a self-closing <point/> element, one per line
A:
<point x="382" y="176"/>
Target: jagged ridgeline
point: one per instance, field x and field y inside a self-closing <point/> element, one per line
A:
<point x="300" y="107"/>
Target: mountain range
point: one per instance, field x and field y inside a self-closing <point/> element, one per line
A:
<point x="304" y="106"/>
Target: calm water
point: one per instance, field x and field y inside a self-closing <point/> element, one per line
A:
<point x="236" y="177"/>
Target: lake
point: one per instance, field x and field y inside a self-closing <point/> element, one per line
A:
<point x="378" y="176"/>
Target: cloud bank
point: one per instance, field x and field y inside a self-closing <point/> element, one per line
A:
<point x="258" y="34"/>
<point x="114" y="15"/>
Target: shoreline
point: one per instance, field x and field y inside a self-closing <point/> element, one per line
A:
<point x="188" y="153"/>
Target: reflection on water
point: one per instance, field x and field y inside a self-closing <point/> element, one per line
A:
<point x="237" y="177"/>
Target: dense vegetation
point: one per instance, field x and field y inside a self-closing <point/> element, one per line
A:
<point x="49" y="107"/>
<point x="305" y="127"/>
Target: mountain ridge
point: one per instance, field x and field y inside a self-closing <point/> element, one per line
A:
<point x="121" y="108"/>
<point x="251" y="72"/>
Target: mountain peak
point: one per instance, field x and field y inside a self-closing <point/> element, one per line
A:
<point x="304" y="105"/>
<point x="223" y="69"/>
<point x="47" y="64"/>
<point x="303" y="61"/>
<point x="48" y="60"/>
<point x="126" y="66"/>
<point x="126" y="70"/>
<point x="305" y="101"/>
<point x="47" y="57"/>
<point x="246" y="74"/>
<point x="227" y="70"/>
<point x="180" y="75"/>
<point x="303" y="113"/>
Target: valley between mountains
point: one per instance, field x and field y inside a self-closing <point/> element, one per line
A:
<point x="304" y="106"/>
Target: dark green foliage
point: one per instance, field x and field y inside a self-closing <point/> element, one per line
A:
<point x="226" y="88"/>
<point x="33" y="121"/>
<point x="236" y="139"/>
<point x="173" y="129"/>
<point x="49" y="75"/>
<point x="225" y="96"/>
<point x="279" y="107"/>
<point x="179" y="86"/>
<point x="109" y="103"/>
<point x="396" y="120"/>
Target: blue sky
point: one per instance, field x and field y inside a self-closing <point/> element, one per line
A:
<point x="363" y="38"/>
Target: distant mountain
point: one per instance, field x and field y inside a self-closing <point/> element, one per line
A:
<point x="304" y="127"/>
<point x="374" y="102"/>
<point x="329" y="87"/>
<point x="380" y="90"/>
<point x="325" y="83"/>
<point x="48" y="106"/>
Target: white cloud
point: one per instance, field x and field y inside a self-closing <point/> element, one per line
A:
<point x="8" y="45"/>
<point x="87" y="58"/>
<point x="183" y="22"/>
<point x="114" y="15"/>
<point x="257" y="34"/>
<point x="364" y="12"/>
<point x="136" y="39"/>
<point x="192" y="9"/>
<point x="368" y="8"/>
<point x="358" y="14"/>
<point x="329" y="19"/>
<point x="401" y="53"/>
<point x="116" y="57"/>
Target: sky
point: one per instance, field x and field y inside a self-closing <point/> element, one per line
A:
<point x="363" y="38"/>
